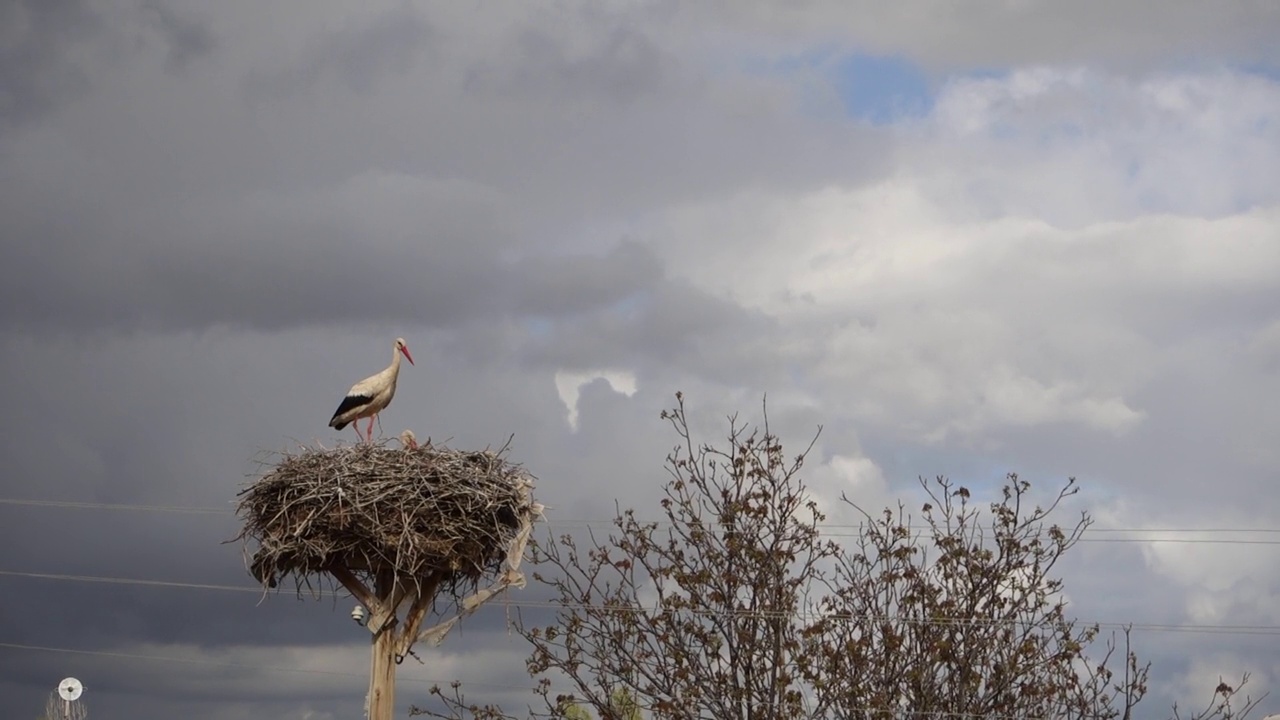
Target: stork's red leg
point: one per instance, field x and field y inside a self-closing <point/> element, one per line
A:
<point x="356" y="426"/>
<point x="370" y="431"/>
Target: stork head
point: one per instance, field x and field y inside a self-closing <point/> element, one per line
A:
<point x="404" y="349"/>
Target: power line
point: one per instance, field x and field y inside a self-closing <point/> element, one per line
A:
<point x="542" y="604"/>
<point x="116" y="506"/>
<point x="145" y="583"/>
<point x="239" y="665"/>
<point x="665" y="523"/>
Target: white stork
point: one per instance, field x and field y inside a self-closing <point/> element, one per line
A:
<point x="408" y="440"/>
<point x="371" y="395"/>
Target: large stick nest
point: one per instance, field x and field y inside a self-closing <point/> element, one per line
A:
<point x="425" y="512"/>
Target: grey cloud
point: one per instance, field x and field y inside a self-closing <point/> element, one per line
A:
<point x="358" y="56"/>
<point x="570" y="284"/>
<point x="664" y="323"/>
<point x="986" y="33"/>
<point x="188" y="38"/>
<point x="624" y="64"/>
<point x="236" y="630"/>
<point x="270" y="275"/>
<point x="37" y="72"/>
<point x="155" y="230"/>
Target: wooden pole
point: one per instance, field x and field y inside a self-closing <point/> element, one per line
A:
<point x="388" y="645"/>
<point x="382" y="677"/>
<point x="382" y="672"/>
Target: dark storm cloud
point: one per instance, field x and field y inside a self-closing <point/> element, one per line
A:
<point x="271" y="275"/>
<point x="125" y="216"/>
<point x="37" y="70"/>
<point x="218" y="627"/>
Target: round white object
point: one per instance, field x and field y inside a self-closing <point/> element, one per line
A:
<point x="70" y="688"/>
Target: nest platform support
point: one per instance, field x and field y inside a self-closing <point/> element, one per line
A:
<point x="393" y="526"/>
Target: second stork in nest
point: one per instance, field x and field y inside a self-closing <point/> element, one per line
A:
<point x="370" y="396"/>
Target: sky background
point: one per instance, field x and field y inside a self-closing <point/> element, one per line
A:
<point x="967" y="238"/>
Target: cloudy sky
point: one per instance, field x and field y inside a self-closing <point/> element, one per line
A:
<point x="967" y="238"/>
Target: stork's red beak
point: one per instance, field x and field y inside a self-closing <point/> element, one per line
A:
<point x="405" y="350"/>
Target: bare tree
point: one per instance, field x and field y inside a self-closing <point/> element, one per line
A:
<point x="962" y="615"/>
<point x="699" y="616"/>
<point x="708" y="614"/>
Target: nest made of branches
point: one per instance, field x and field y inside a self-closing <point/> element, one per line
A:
<point x="425" y="512"/>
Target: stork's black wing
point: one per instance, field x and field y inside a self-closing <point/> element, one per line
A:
<point x="349" y="402"/>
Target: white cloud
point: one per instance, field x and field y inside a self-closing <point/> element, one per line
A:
<point x="854" y="476"/>
<point x="1204" y="667"/>
<point x="1015" y="271"/>
<point x="569" y="386"/>
<point x="1072" y="147"/>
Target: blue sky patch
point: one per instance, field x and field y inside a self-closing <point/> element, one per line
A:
<point x="1270" y="71"/>
<point x="882" y="89"/>
<point x="879" y="89"/>
<point x="539" y="327"/>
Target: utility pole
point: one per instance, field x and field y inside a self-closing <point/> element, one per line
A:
<point x="392" y="638"/>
